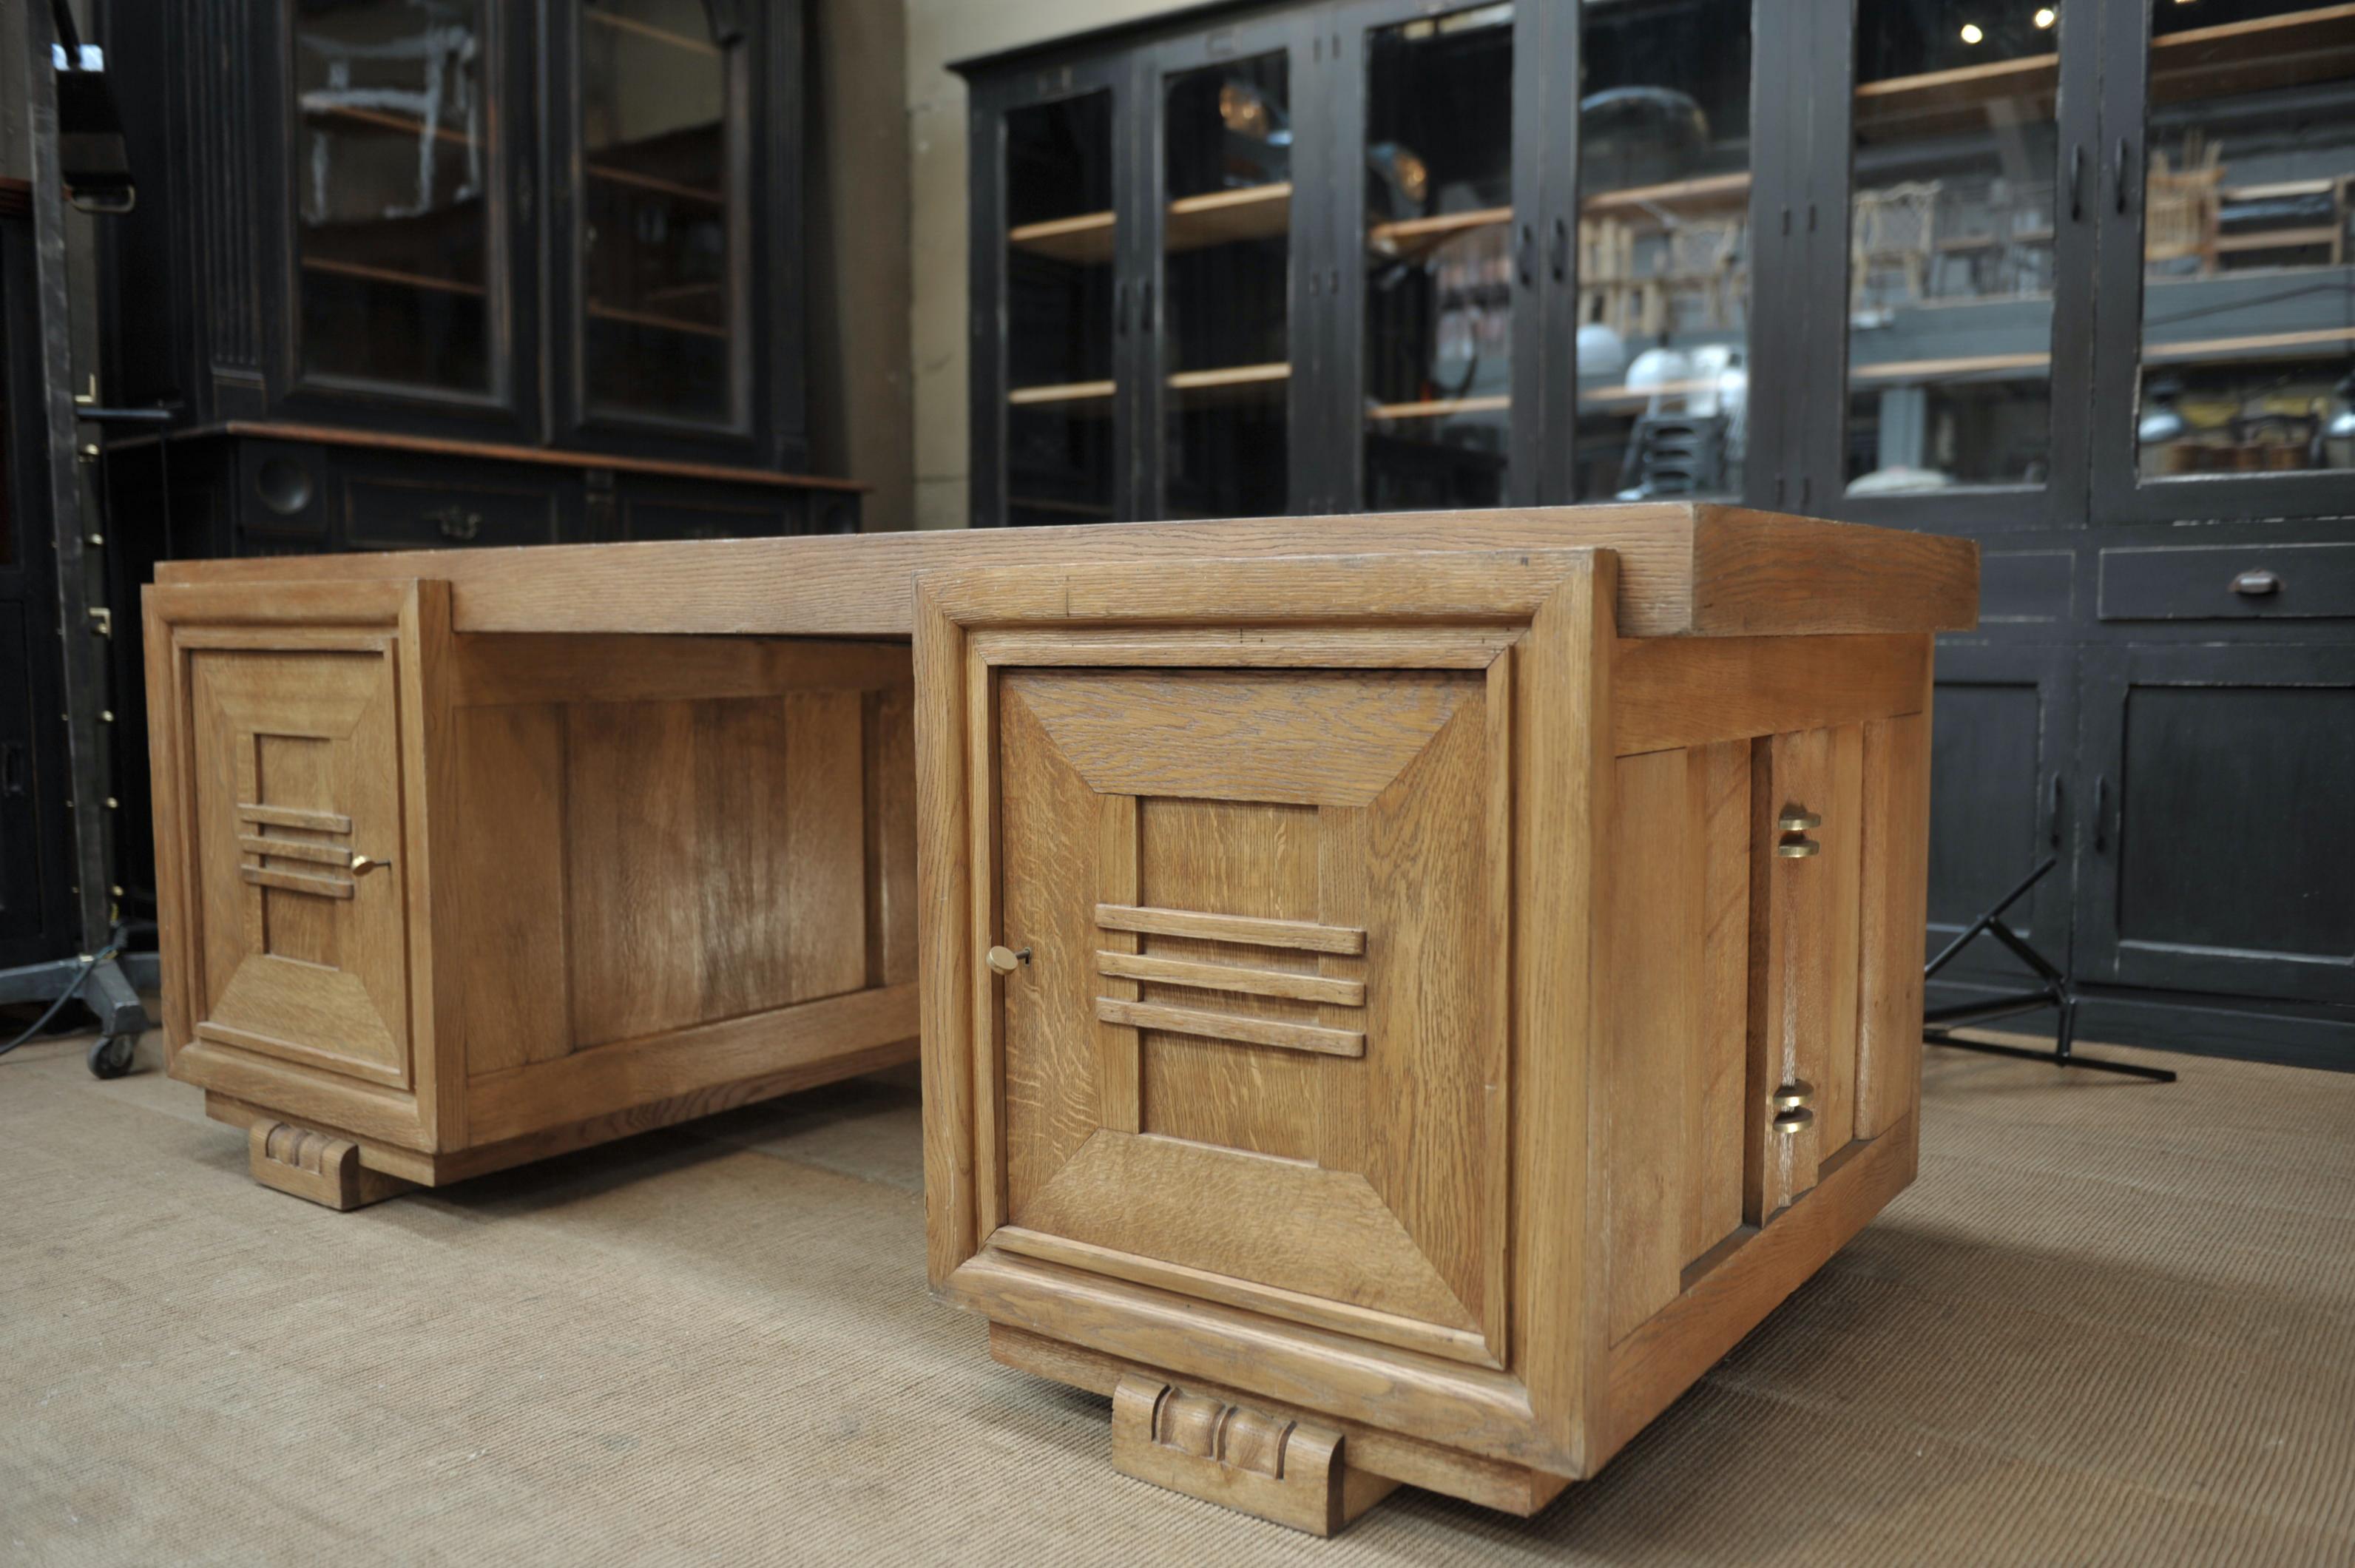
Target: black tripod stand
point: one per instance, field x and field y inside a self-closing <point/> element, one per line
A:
<point x="2056" y="992"/>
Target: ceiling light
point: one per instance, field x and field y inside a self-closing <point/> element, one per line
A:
<point x="1971" y="33"/>
<point x="2047" y="17"/>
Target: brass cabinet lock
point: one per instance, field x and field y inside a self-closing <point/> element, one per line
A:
<point x="1005" y="960"/>
<point x="1794" y="823"/>
<point x="1791" y="1102"/>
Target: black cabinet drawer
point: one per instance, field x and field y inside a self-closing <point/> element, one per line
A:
<point x="678" y="512"/>
<point x="394" y="511"/>
<point x="2221" y="582"/>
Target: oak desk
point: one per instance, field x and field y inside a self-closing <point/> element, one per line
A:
<point x="1441" y="999"/>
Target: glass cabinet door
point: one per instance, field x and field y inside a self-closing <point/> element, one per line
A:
<point x="1438" y="332"/>
<point x="399" y="273"/>
<point x="1662" y="336"/>
<point x="660" y="214"/>
<point x="1224" y="210"/>
<point x="1965" y="248"/>
<point x="2236" y="222"/>
<point x="1059" y="268"/>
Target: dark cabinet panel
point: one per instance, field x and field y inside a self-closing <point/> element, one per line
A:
<point x="2221" y="829"/>
<point x="2229" y="582"/>
<point x="371" y="213"/>
<point x="28" y="902"/>
<point x="2000" y="742"/>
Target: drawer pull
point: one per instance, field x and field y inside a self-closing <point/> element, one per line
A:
<point x="1005" y="960"/>
<point x="1797" y="848"/>
<point x="1791" y="1121"/>
<point x="455" y="522"/>
<point x="2257" y="584"/>
<point x="1795" y="1096"/>
<point x="362" y="865"/>
<point x="1795" y="820"/>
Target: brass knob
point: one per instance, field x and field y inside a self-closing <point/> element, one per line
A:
<point x="1797" y="848"/>
<point x="1791" y="1097"/>
<point x="362" y="865"/>
<point x="1791" y="1121"/>
<point x="1005" y="960"/>
<point x="1795" y="820"/>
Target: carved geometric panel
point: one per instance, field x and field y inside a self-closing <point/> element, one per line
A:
<point x="297" y="826"/>
<point x="1259" y="1044"/>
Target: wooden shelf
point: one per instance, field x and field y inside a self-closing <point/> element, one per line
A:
<point x="1083" y="240"/>
<point x="2253" y="345"/>
<point x="543" y="456"/>
<point x="621" y="24"/>
<point x="613" y="175"/>
<point x="1701" y="194"/>
<point x="596" y="312"/>
<point x="1227" y="217"/>
<point x="1997" y="366"/>
<point x="1060" y="393"/>
<point x="378" y="118"/>
<point x="391" y="275"/>
<point x="1411" y="237"/>
<point x="1229" y="381"/>
<point x="1441" y="408"/>
<point x="2290" y="50"/>
<point x="1191" y="223"/>
<point x="2205" y="62"/>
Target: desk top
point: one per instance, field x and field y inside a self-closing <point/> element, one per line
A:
<point x="1685" y="569"/>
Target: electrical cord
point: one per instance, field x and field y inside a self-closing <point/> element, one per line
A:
<point x="93" y="961"/>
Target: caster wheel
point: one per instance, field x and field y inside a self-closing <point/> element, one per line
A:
<point x="109" y="1057"/>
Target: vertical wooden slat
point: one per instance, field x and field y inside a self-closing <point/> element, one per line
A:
<point x="1792" y="966"/>
<point x="509" y="854"/>
<point x="1716" y="1074"/>
<point x="891" y="837"/>
<point x="1649" y="1013"/>
<point x="822" y="852"/>
<point x="637" y="949"/>
<point x="1843" y="839"/>
<point x="1895" y="877"/>
<point x="1118" y="1048"/>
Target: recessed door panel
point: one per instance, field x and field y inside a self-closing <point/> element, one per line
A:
<point x="1258" y="1044"/>
<point x="296" y="798"/>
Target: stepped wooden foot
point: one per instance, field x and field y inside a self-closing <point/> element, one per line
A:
<point x="316" y="1165"/>
<point x="1289" y="1472"/>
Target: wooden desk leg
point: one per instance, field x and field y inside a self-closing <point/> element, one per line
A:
<point x="1289" y="1472"/>
<point x="316" y="1165"/>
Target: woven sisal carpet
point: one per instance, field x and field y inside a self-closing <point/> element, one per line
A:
<point x="2112" y="1323"/>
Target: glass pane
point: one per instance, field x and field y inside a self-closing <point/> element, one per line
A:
<point x="1950" y="246"/>
<point x="656" y="212"/>
<point x="1664" y="253"/>
<point x="2248" y="307"/>
<point x="1226" y="270"/>
<point x="1058" y="281"/>
<point x="391" y="173"/>
<point x="1439" y="284"/>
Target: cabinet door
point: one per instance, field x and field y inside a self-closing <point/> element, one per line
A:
<point x="655" y="136"/>
<point x="410" y="254"/>
<point x="1054" y="215"/>
<point x="291" y="835"/>
<point x="2000" y="757"/>
<point x="1963" y="147"/>
<point x="1241" y="1003"/>
<point x="2227" y="356"/>
<point x="1656" y="243"/>
<point x="1235" y="169"/>
<point x="1439" y="310"/>
<point x="2222" y="849"/>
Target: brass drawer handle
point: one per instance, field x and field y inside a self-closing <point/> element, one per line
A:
<point x="362" y="865"/>
<point x="2257" y="584"/>
<point x="455" y="522"/>
<point x="1794" y="1095"/>
<point x="1797" y="848"/>
<point x="1795" y="820"/>
<point x="1005" y="960"/>
<point x="1791" y="1121"/>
